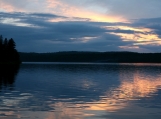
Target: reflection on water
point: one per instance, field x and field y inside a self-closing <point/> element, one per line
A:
<point x="83" y="91"/>
<point x="7" y="75"/>
<point x="129" y="90"/>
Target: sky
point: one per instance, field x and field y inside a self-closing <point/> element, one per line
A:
<point x="82" y="25"/>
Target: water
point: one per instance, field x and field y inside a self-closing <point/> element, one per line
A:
<point x="81" y="91"/>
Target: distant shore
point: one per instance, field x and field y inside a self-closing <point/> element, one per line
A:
<point x="93" y="57"/>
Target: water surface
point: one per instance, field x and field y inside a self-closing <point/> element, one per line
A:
<point x="81" y="91"/>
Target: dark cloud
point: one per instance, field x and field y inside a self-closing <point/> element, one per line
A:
<point x="152" y="48"/>
<point x="148" y="22"/>
<point x="152" y="23"/>
<point x="37" y="34"/>
<point x="41" y="15"/>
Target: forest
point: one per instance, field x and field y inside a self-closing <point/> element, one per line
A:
<point x="9" y="55"/>
<point x="96" y="57"/>
<point x="8" y="52"/>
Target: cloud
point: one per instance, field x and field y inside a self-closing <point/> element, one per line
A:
<point x="41" y="34"/>
<point x="23" y="6"/>
<point x="65" y="8"/>
<point x="45" y="32"/>
<point x="104" y="10"/>
<point x="130" y="9"/>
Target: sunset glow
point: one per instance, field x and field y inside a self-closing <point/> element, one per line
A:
<point x="102" y="22"/>
<point x="113" y="101"/>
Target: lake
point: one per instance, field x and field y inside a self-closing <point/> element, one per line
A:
<point x="81" y="91"/>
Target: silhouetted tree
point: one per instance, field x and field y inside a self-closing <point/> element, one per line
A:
<point x="1" y="44"/>
<point x="1" y="41"/>
<point x="11" y="44"/>
<point x="8" y="51"/>
<point x="5" y="43"/>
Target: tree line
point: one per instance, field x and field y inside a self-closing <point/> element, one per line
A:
<point x="8" y="52"/>
<point x="100" y="57"/>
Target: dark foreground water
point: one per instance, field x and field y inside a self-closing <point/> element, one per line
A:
<point x="81" y="91"/>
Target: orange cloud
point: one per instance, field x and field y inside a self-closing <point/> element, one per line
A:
<point x="141" y="36"/>
<point x="6" y="7"/>
<point x="72" y="11"/>
<point x="135" y="29"/>
<point x="60" y="8"/>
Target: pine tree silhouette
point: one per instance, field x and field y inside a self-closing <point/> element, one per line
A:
<point x="8" y="51"/>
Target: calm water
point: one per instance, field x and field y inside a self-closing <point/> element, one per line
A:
<point x="81" y="91"/>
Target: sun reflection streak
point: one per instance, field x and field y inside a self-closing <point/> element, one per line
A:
<point x="133" y="87"/>
<point x="132" y="90"/>
<point x="128" y="90"/>
<point x="114" y="100"/>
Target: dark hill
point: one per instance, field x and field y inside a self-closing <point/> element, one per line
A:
<point x="109" y="57"/>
